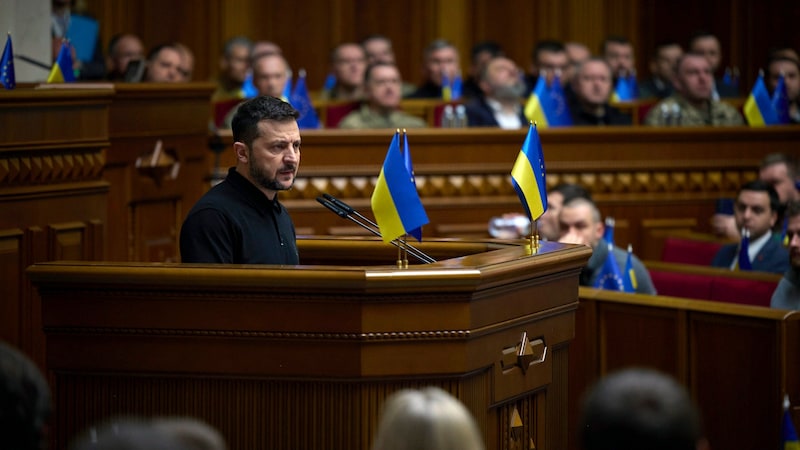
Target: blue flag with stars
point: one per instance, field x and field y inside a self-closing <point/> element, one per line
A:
<point x="7" y="77"/>
<point x="610" y="276"/>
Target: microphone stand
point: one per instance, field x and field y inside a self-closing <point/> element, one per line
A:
<point x="345" y="211"/>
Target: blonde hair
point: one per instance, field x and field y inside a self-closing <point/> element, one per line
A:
<point x="426" y="419"/>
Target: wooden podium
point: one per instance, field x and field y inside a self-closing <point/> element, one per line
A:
<point x="303" y="357"/>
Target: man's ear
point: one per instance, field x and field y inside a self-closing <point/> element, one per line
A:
<point x="599" y="230"/>
<point x="242" y="155"/>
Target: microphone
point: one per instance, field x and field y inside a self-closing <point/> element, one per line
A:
<point x="345" y="211"/>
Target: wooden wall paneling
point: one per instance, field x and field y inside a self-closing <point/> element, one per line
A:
<point x="11" y="281"/>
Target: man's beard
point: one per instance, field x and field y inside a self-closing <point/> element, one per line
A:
<point x="260" y="178"/>
<point x="512" y="92"/>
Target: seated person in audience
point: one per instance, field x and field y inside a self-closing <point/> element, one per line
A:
<point x="756" y="210"/>
<point x="429" y="419"/>
<point x="382" y="107"/>
<point x="549" y="58"/>
<point x="790" y="68"/>
<point x="480" y="55"/>
<point x="122" y="49"/>
<point x="163" y="64"/>
<point x="499" y="105"/>
<point x="592" y="88"/>
<point x="379" y="49"/>
<point x="638" y="408"/>
<point x="186" y="67"/>
<point x="618" y="53"/>
<point x="348" y="63"/>
<point x="25" y="404"/>
<point x="784" y="52"/>
<point x="706" y="44"/>
<point x="662" y="64"/>
<point x="270" y="74"/>
<point x="234" y="64"/>
<point x="580" y="223"/>
<point x="692" y="104"/>
<point x="577" y="52"/>
<point x="162" y="433"/>
<point x="440" y="57"/>
<point x="556" y="198"/>
<point x="781" y="172"/>
<point x="262" y="48"/>
<point x="787" y="294"/>
<point x="240" y="220"/>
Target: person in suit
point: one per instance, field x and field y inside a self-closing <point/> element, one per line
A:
<point x="592" y="89"/>
<point x="707" y="44"/>
<point x="660" y="83"/>
<point x="122" y="50"/>
<point x="790" y="69"/>
<point x="348" y="63"/>
<point x="580" y="223"/>
<point x="429" y="419"/>
<point x="163" y="64"/>
<point x="480" y="55"/>
<point x="787" y="293"/>
<point x="756" y="210"/>
<point x="441" y="58"/>
<point x="639" y="408"/>
<point x="499" y="105"/>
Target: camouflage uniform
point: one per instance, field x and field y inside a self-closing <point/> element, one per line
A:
<point x="676" y="111"/>
<point x="366" y="118"/>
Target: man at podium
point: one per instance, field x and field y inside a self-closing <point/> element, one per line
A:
<point x="240" y="220"/>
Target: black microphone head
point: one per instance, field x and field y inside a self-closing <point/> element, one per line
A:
<point x="344" y="206"/>
<point x="330" y="205"/>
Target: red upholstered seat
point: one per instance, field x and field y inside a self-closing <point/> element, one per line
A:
<point x="334" y="113"/>
<point x="689" y="251"/>
<point x="222" y="108"/>
<point x="741" y="291"/>
<point x="677" y="284"/>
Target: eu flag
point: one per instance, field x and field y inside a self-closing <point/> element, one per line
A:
<point x="608" y="233"/>
<point x="528" y="175"/>
<point x="758" y="107"/>
<point x="780" y="102"/>
<point x="555" y="105"/>
<point x="62" y="71"/>
<point x="789" y="439"/>
<point x="7" y="77"/>
<point x="610" y="277"/>
<point x="302" y="103"/>
<point x="395" y="201"/>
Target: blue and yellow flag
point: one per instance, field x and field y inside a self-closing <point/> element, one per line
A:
<point x="780" y="102"/>
<point x="610" y="277"/>
<point x="625" y="90"/>
<point x="7" y="76"/>
<point x="758" y="107"/>
<point x="533" y="107"/>
<point x="287" y="88"/>
<point x="395" y="201"/>
<point x="528" y="175"/>
<point x="416" y="232"/>
<point x="301" y="101"/>
<point x="629" y="282"/>
<point x="608" y="233"/>
<point x="62" y="71"/>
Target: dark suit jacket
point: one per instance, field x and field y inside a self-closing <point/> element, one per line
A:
<point x="611" y="116"/>
<point x="773" y="257"/>
<point x="479" y="114"/>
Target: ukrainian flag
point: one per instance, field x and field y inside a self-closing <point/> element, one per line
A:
<point x="758" y="108"/>
<point x="625" y="89"/>
<point x="62" y="71"/>
<point x="528" y="175"/>
<point x="533" y="107"/>
<point x="629" y="277"/>
<point x="789" y="439"/>
<point x="395" y="201"/>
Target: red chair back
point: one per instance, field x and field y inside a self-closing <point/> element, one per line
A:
<point x="336" y="112"/>
<point x="689" y="251"/>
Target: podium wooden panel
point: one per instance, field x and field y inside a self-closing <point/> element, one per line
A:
<point x="152" y="190"/>
<point x="304" y="356"/>
<point x="52" y="198"/>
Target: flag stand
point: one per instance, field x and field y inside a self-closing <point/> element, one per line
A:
<point x="402" y="254"/>
<point x="533" y="239"/>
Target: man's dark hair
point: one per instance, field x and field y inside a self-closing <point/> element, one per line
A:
<point x="639" y="408"/>
<point x="793" y="209"/>
<point x="699" y="34"/>
<point x="613" y="39"/>
<point x="761" y="186"/>
<point x="250" y="113"/>
<point x="571" y="191"/>
<point x="375" y="37"/>
<point x="24" y="401"/>
<point x="437" y="44"/>
<point x="157" y="49"/>
<point x="547" y="45"/>
<point x="661" y="45"/>
<point x="774" y="59"/>
<point x="491" y="47"/>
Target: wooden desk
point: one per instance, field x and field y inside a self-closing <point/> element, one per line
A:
<point x="647" y="178"/>
<point x="303" y="357"/>
<point x="736" y="361"/>
<point x="53" y="200"/>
